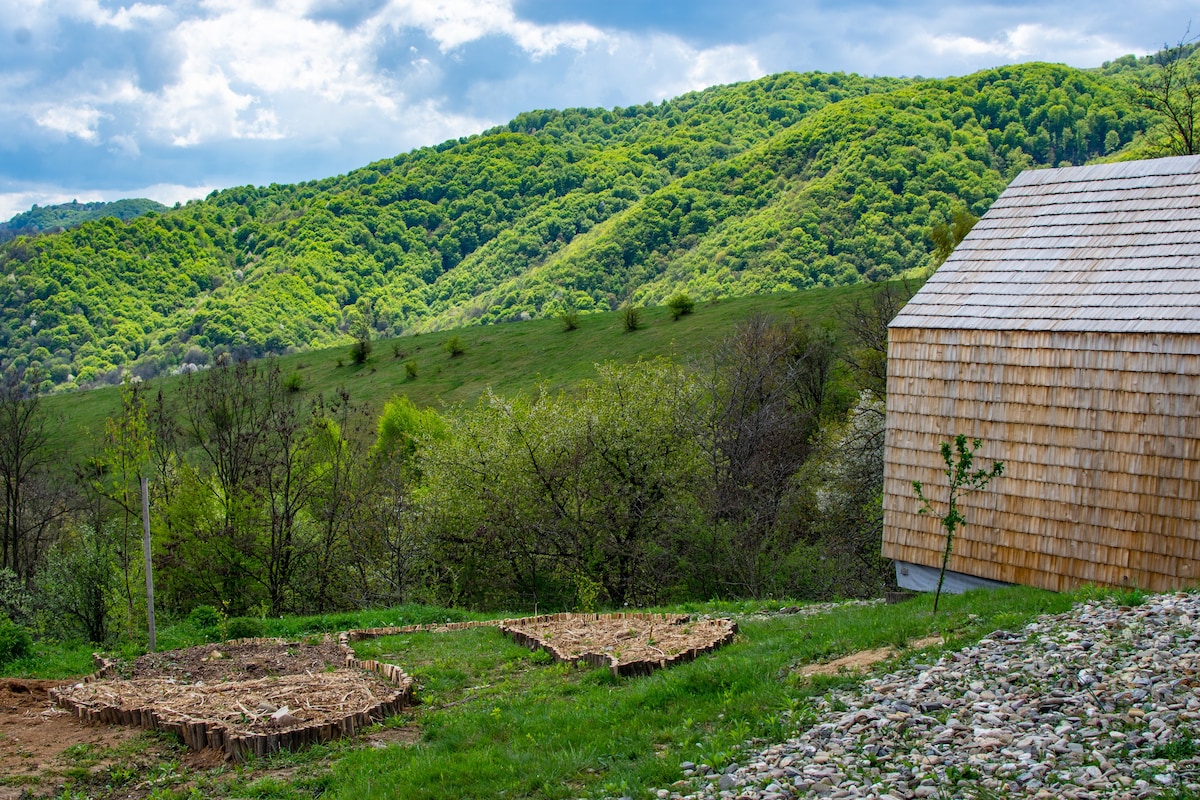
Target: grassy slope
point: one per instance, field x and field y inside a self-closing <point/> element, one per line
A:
<point x="509" y="358"/>
<point x="498" y="720"/>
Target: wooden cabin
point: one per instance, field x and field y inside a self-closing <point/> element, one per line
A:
<point x="1064" y="332"/>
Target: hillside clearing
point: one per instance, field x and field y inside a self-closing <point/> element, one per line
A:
<point x="497" y="718"/>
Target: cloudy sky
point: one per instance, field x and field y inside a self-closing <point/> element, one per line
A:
<point x="103" y="99"/>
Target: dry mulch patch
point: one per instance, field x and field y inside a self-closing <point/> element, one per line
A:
<point x="628" y="644"/>
<point x="863" y="659"/>
<point x="253" y="696"/>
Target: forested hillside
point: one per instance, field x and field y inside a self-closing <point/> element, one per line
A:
<point x="52" y="219"/>
<point x="790" y="181"/>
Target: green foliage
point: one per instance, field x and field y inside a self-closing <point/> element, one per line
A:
<point x="47" y="219"/>
<point x="786" y="182"/>
<point x="78" y="585"/>
<point x="529" y="497"/>
<point x="1171" y="88"/>
<point x="631" y="318"/>
<point x="569" y="320"/>
<point x="947" y="235"/>
<point x="680" y="304"/>
<point x="244" y="628"/>
<point x="15" y="641"/>
<point x="16" y="602"/>
<point x="403" y="429"/>
<point x="360" y="351"/>
<point x="206" y="620"/>
<point x="455" y="346"/>
<point x="410" y="369"/>
<point x="962" y="481"/>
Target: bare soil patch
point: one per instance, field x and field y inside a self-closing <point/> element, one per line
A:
<point x="627" y="643"/>
<point x="233" y="661"/>
<point x="34" y="733"/>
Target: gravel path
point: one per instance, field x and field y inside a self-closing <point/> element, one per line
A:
<point x="1101" y="702"/>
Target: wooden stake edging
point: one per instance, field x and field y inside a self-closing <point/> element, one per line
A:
<point x="199" y="734"/>
<point x="724" y="632"/>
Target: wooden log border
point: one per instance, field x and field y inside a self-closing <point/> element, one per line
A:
<point x="724" y="632"/>
<point x="199" y="734"/>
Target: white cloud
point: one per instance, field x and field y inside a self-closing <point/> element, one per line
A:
<point x="1032" y="41"/>
<point x="454" y="23"/>
<point x="78" y="121"/>
<point x="254" y="91"/>
<point x="727" y="64"/>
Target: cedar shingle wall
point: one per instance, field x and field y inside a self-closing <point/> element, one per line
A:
<point x="1100" y="438"/>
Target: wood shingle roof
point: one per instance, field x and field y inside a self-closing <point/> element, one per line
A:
<point x="1107" y="248"/>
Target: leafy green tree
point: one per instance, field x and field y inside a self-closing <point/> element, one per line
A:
<point x="79" y="583"/>
<point x="125" y="458"/>
<point x="680" y="304"/>
<point x="529" y="495"/>
<point x="948" y="235"/>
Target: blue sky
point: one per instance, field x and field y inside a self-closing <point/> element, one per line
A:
<point x="103" y="100"/>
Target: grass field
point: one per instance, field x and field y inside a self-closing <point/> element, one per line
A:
<point x="507" y="358"/>
<point x="497" y="720"/>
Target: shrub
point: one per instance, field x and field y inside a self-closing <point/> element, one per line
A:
<point x="631" y="317"/>
<point x="680" y="305"/>
<point x="455" y="347"/>
<point x="15" y="641"/>
<point x="207" y="622"/>
<point x="204" y="617"/>
<point x="569" y="320"/>
<point x="244" y="628"/>
<point x="410" y="369"/>
<point x="294" y="382"/>
<point x="360" y="350"/>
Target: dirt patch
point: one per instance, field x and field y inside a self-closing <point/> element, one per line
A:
<point x="234" y="661"/>
<point x="34" y="733"/>
<point x="627" y="643"/>
<point x="860" y="661"/>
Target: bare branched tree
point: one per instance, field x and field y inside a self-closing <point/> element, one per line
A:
<point x="1173" y="90"/>
<point x="30" y="502"/>
<point x="866" y="324"/>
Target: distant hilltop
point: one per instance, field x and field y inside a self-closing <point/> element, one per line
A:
<point x="54" y="219"/>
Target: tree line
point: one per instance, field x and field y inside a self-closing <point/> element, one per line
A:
<point x="752" y="471"/>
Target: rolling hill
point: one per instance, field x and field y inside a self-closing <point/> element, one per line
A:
<point x="788" y="182"/>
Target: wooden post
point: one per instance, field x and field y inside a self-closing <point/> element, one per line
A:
<point x="149" y="565"/>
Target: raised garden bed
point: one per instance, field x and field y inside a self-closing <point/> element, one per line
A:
<point x="247" y="697"/>
<point x="628" y="643"/>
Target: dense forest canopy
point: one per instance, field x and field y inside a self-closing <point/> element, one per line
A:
<point x="56" y="218"/>
<point x="787" y="182"/>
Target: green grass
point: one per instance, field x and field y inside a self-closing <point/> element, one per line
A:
<point x="508" y="358"/>
<point x="498" y="720"/>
